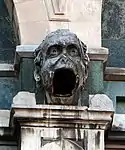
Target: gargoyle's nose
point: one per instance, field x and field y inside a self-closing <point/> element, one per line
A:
<point x="63" y="60"/>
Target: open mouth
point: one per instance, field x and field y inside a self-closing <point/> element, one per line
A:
<point x="64" y="82"/>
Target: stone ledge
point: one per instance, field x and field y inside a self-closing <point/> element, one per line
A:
<point x="7" y="70"/>
<point x="27" y="51"/>
<point x="61" y="116"/>
<point x="94" y="53"/>
<point x="98" y="54"/>
<point x="100" y="102"/>
<point x="114" y="74"/>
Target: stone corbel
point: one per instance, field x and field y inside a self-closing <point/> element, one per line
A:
<point x="46" y="126"/>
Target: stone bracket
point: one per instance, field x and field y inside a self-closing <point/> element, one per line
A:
<point x="61" y="116"/>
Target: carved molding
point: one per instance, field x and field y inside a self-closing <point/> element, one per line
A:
<point x="57" y="10"/>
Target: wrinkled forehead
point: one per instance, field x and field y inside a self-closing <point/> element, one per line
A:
<point x="59" y="38"/>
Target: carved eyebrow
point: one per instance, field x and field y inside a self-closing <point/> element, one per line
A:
<point x="55" y="45"/>
<point x="73" y="45"/>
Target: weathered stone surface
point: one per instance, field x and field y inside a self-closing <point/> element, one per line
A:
<point x="113" y="31"/>
<point x="113" y="89"/>
<point x="116" y="52"/>
<point x="78" y="16"/>
<point x="8" y="89"/>
<point x="81" y="115"/>
<point x="94" y="53"/>
<point x="114" y="74"/>
<point x="30" y="138"/>
<point x="26" y="78"/>
<point x="95" y="77"/>
<point x="100" y="102"/>
<point x="4" y="118"/>
<point x="7" y="36"/>
<point x="24" y="99"/>
<point x="118" y="122"/>
<point x="120" y="105"/>
<point x="61" y="68"/>
<point x="47" y="126"/>
<point x="113" y="19"/>
<point x="95" y="140"/>
<point x="62" y="144"/>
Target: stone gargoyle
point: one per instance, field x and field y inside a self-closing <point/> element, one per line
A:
<point x="61" y="68"/>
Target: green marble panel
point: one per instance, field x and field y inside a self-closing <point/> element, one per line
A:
<point x="116" y="52"/>
<point x="113" y="19"/>
<point x="7" y="55"/>
<point x="8" y="89"/>
<point x="114" y="89"/>
<point x="113" y="31"/>
<point x="27" y="82"/>
<point x="95" y="79"/>
<point x="120" y="105"/>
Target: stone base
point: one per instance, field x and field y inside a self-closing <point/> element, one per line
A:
<point x="50" y="127"/>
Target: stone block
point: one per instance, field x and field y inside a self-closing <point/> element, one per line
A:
<point x="88" y="32"/>
<point x="54" y="25"/>
<point x="24" y="99"/>
<point x="100" y="102"/>
<point x="85" y="11"/>
<point x="7" y="55"/>
<point x="26" y="11"/>
<point x="116" y="52"/>
<point x="118" y="122"/>
<point x="33" y="32"/>
<point x="4" y="119"/>
<point x="82" y="17"/>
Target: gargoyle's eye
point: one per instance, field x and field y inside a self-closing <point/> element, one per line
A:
<point x="72" y="50"/>
<point x="53" y="51"/>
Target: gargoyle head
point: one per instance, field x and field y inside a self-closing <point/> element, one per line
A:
<point x="61" y="67"/>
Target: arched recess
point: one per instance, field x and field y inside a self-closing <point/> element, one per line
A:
<point x="29" y="20"/>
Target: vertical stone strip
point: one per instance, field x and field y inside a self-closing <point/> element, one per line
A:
<point x="30" y="138"/>
<point x="95" y="140"/>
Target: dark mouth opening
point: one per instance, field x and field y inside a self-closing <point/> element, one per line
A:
<point x="63" y="82"/>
